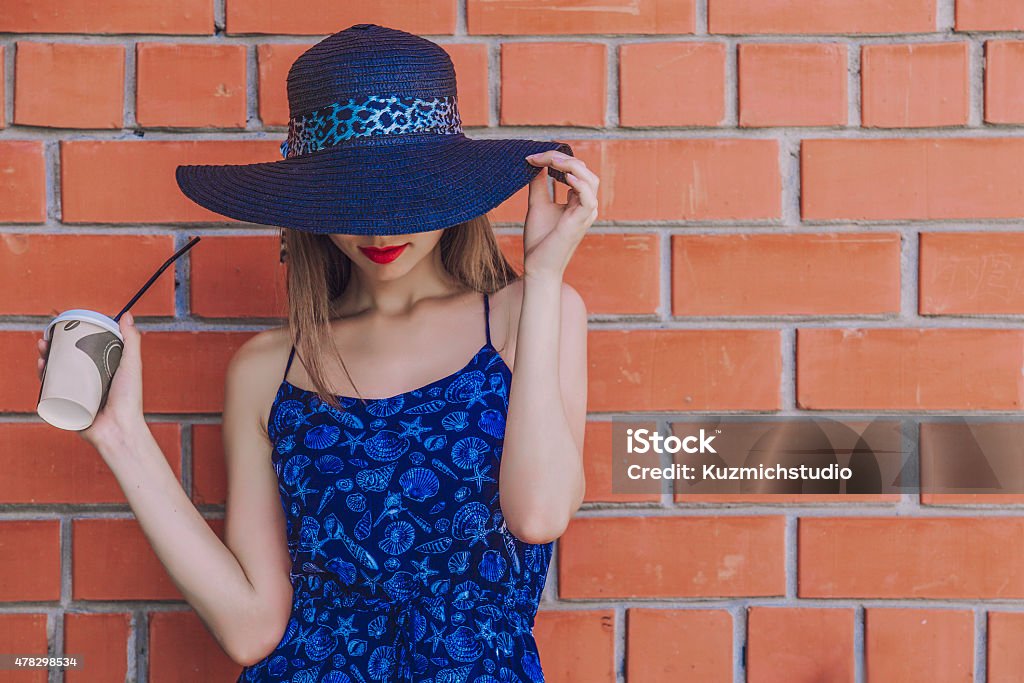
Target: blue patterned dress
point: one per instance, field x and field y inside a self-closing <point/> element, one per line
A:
<point x="402" y="566"/>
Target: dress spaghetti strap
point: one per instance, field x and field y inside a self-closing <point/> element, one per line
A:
<point x="289" y="366"/>
<point x="487" y="318"/>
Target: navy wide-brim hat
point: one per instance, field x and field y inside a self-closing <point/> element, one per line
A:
<point x="375" y="146"/>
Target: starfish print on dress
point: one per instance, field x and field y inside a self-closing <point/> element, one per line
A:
<point x="436" y="638"/>
<point x="345" y="628"/>
<point x="477" y="395"/>
<point x="479" y="477"/>
<point x="423" y="572"/>
<point x="486" y="632"/>
<point x="415" y="428"/>
<point x="301" y="490"/>
<point x="352" y="441"/>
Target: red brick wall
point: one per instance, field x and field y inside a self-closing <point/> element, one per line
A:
<point x="805" y="205"/>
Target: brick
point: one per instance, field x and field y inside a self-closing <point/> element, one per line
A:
<point x="785" y="274"/>
<point x="599" y="467"/>
<point x="672" y="84"/>
<point x="108" y="16"/>
<point x="64" y="85"/>
<point x="240" y="276"/>
<point x="471" y="76"/>
<point x="508" y="17"/>
<point x="911" y="178"/>
<point x="614" y="273"/>
<point x="711" y="178"/>
<point x="19" y="392"/>
<point x="209" y="471"/>
<point x="44" y="465"/>
<point x="1005" y="656"/>
<point x="915" y="85"/>
<point x="1004" y="81"/>
<point x="918" y="645"/>
<point x="182" y="371"/>
<point x="816" y="16"/>
<point x="513" y="209"/>
<point x="204" y="354"/>
<point x="909" y="369"/>
<point x="900" y="557"/>
<point x="971" y="273"/>
<point x="30" y="555"/>
<point x="989" y="15"/>
<point x="679" y="645"/>
<point x="181" y="648"/>
<point x="576" y="645"/>
<point x="44" y="274"/>
<point x="273" y="62"/>
<point x="732" y="369"/>
<point x="25" y="633"/>
<point x="190" y="85"/>
<point x="534" y="93"/>
<point x="723" y="557"/>
<point x="113" y="560"/>
<point x="799" y="644"/>
<point x="424" y="17"/>
<point x="102" y="641"/>
<point x="22" y="182"/>
<point x="133" y="181"/>
<point x="792" y="84"/>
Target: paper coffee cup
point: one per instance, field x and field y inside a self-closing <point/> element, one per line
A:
<point x="85" y="350"/>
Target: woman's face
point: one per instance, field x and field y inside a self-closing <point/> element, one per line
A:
<point x="387" y="257"/>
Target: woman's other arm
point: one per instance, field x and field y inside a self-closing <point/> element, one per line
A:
<point x="240" y="587"/>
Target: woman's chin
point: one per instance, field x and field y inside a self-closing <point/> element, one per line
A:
<point x="382" y="272"/>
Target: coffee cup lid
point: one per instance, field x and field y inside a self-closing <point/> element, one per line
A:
<point x="93" y="317"/>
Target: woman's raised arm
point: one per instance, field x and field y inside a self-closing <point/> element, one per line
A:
<point x="542" y="482"/>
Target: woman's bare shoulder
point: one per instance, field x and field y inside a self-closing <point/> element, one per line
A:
<point x="262" y="350"/>
<point x="256" y="369"/>
<point x="507" y="306"/>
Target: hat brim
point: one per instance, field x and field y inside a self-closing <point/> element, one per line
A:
<point x="405" y="184"/>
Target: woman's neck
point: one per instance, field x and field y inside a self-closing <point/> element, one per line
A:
<point x="427" y="280"/>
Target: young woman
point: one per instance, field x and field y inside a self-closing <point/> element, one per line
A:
<point x="365" y="539"/>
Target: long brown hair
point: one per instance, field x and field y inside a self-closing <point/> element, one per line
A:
<point x="318" y="272"/>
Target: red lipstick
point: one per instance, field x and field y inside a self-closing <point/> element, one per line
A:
<point x="383" y="254"/>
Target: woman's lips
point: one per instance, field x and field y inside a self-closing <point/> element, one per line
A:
<point x="383" y="254"/>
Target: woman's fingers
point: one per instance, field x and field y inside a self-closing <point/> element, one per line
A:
<point x="585" y="194"/>
<point x="41" y="345"/>
<point x="564" y="162"/>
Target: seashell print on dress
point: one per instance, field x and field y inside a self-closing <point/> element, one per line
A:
<point x="402" y="566"/>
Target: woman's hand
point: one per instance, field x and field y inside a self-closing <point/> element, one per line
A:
<point x="123" y="409"/>
<point x="554" y="230"/>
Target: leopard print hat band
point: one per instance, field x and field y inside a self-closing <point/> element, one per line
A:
<point x="370" y="115"/>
